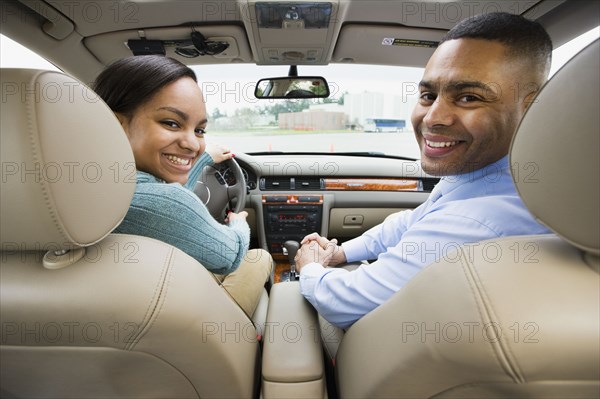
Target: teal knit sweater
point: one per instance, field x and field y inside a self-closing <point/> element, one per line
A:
<point x="174" y="214"/>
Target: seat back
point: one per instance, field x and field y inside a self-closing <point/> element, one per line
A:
<point x="87" y="313"/>
<point x="515" y="317"/>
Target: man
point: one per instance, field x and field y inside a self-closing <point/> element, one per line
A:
<point x="475" y="90"/>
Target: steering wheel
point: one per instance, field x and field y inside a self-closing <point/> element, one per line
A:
<point x="218" y="196"/>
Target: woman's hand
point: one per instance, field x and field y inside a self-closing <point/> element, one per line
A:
<point x="321" y="250"/>
<point x="219" y="153"/>
<point x="236" y="216"/>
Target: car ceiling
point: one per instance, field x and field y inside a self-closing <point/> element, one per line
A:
<point x="83" y="37"/>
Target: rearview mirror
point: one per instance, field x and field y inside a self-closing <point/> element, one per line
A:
<point x="292" y="87"/>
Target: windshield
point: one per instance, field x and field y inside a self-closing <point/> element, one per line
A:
<point x="368" y="110"/>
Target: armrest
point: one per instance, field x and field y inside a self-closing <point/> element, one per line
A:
<point x="292" y="362"/>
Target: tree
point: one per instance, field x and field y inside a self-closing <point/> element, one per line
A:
<point x="216" y="114"/>
<point x="319" y="90"/>
<point x="285" y="107"/>
<point x="244" y="118"/>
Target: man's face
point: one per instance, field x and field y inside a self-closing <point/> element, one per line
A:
<point x="472" y="97"/>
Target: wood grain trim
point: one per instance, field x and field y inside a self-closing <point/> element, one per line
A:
<point x="280" y="267"/>
<point x="372" y="184"/>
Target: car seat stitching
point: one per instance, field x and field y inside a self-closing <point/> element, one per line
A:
<point x="502" y="342"/>
<point x="486" y="315"/>
<point x="155" y="303"/>
<point x="36" y="153"/>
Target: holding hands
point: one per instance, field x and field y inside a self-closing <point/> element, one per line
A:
<point x="320" y="250"/>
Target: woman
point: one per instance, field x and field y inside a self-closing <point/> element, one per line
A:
<point x="158" y="102"/>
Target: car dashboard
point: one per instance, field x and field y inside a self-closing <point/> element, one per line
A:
<point x="337" y="196"/>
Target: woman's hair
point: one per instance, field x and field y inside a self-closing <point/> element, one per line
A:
<point x="130" y="82"/>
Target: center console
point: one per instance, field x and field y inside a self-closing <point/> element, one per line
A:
<point x="290" y="217"/>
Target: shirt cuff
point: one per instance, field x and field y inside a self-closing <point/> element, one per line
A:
<point x="355" y="250"/>
<point x="238" y="222"/>
<point x="310" y="274"/>
<point x="312" y="269"/>
<point x="209" y="158"/>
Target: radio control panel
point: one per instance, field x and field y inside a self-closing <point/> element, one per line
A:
<point x="290" y="217"/>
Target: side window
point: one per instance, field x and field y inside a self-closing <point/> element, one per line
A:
<point x="14" y="55"/>
<point x="565" y="52"/>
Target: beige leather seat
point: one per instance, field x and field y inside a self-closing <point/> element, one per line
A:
<point x="115" y="316"/>
<point x="516" y="317"/>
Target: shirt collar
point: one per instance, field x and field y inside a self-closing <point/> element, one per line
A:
<point x="492" y="173"/>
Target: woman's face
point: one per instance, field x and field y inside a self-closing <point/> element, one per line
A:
<point x="166" y="133"/>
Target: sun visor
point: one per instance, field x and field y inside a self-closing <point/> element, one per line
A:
<point x="389" y="44"/>
<point x="109" y="47"/>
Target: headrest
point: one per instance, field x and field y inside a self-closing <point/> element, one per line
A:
<point x="555" y="152"/>
<point x="68" y="173"/>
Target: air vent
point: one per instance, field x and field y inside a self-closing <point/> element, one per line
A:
<point x="275" y="183"/>
<point x="429" y="183"/>
<point x="309" y="183"/>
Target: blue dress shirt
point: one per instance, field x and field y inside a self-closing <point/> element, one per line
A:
<point x="462" y="209"/>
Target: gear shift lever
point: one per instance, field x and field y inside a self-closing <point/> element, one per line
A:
<point x="291" y="248"/>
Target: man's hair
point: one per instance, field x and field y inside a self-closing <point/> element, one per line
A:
<point x="524" y="38"/>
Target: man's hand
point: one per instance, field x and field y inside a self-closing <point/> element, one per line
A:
<point x="319" y="249"/>
<point x="218" y="153"/>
